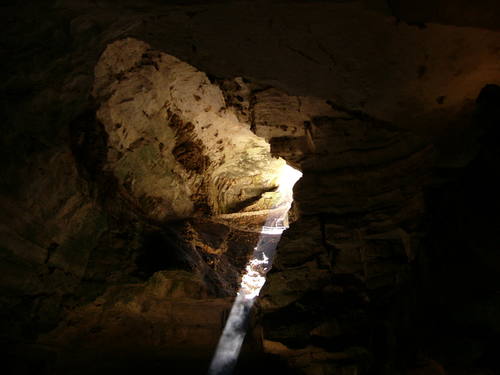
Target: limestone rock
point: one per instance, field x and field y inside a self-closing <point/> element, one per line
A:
<point x="331" y="86"/>
<point x="172" y="143"/>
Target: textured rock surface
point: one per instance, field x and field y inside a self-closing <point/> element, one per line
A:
<point x="390" y="264"/>
<point x="171" y="142"/>
<point x="362" y="201"/>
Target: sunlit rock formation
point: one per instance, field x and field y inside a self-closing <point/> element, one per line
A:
<point x="126" y="226"/>
<point x="173" y="144"/>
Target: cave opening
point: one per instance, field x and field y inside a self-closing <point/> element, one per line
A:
<point x="228" y="185"/>
<point x="254" y="276"/>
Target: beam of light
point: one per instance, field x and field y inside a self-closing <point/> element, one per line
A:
<point x="252" y="281"/>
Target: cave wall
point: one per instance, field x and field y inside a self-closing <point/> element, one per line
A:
<point x="374" y="101"/>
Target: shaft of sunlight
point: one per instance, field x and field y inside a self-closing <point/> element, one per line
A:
<point x="229" y="346"/>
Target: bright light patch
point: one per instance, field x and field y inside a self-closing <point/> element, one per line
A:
<point x="272" y="230"/>
<point x="253" y="279"/>
<point x="287" y="178"/>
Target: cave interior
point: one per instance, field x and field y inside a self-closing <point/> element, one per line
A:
<point x="144" y="147"/>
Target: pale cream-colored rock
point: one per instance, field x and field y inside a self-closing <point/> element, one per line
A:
<point x="172" y="142"/>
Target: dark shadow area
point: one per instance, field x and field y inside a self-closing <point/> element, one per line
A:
<point x="158" y="254"/>
<point x="460" y="292"/>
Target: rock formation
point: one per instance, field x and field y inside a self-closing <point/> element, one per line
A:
<point x="141" y="151"/>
